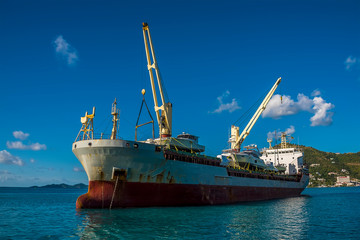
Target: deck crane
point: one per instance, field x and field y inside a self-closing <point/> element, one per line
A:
<point x="163" y="112"/>
<point x="237" y="140"/>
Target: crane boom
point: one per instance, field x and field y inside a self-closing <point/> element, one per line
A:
<point x="239" y="140"/>
<point x="164" y="118"/>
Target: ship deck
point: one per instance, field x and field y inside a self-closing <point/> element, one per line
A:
<point x="170" y="154"/>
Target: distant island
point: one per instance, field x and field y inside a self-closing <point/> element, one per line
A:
<point x="64" y="186"/>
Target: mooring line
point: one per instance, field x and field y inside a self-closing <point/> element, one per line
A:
<point x="112" y="199"/>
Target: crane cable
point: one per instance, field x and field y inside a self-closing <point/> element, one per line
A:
<point x="246" y="115"/>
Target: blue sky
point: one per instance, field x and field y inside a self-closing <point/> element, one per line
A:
<point x="58" y="59"/>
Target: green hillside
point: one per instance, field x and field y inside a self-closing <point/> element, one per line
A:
<point x="340" y="164"/>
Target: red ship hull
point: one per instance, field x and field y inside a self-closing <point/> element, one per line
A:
<point x="102" y="194"/>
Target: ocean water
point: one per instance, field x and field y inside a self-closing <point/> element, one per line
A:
<point x="320" y="213"/>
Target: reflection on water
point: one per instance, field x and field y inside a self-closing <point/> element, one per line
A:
<point x="278" y="219"/>
<point x="50" y="214"/>
<point x="330" y="213"/>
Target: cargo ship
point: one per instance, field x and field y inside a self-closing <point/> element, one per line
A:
<point x="174" y="171"/>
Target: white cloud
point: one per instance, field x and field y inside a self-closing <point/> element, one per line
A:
<point x="5" y="175"/>
<point x="316" y="93"/>
<point x="304" y="103"/>
<point x="21" y="146"/>
<point x="7" y="158"/>
<point x="322" y="117"/>
<point x="277" y="134"/>
<point x="283" y="106"/>
<point x="290" y="130"/>
<point x="37" y="146"/>
<point x="231" y="106"/>
<point x="274" y="134"/>
<point x="76" y="169"/>
<point x="64" y="49"/>
<point x="15" y="145"/>
<point x="350" y="62"/>
<point x="21" y="135"/>
<point x="318" y="106"/>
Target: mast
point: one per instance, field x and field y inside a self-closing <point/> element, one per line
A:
<point x="163" y="112"/>
<point x="237" y="141"/>
<point x="115" y="113"/>
<point x="269" y="140"/>
<point x="283" y="140"/>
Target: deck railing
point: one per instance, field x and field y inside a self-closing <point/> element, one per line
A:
<point x="96" y="136"/>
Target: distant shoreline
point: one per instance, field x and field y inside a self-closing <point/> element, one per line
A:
<point x="64" y="186"/>
<point x="57" y="186"/>
<point x="332" y="186"/>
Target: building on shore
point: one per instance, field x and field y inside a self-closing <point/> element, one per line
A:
<point x="344" y="181"/>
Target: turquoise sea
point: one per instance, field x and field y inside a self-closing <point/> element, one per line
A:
<point x="321" y="213"/>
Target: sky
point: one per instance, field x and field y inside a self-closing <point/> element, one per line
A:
<point x="217" y="59"/>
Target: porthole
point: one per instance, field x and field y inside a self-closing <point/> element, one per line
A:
<point x="75" y="146"/>
<point x="89" y="144"/>
<point x="136" y="145"/>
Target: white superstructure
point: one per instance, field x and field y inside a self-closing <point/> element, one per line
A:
<point x="287" y="159"/>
